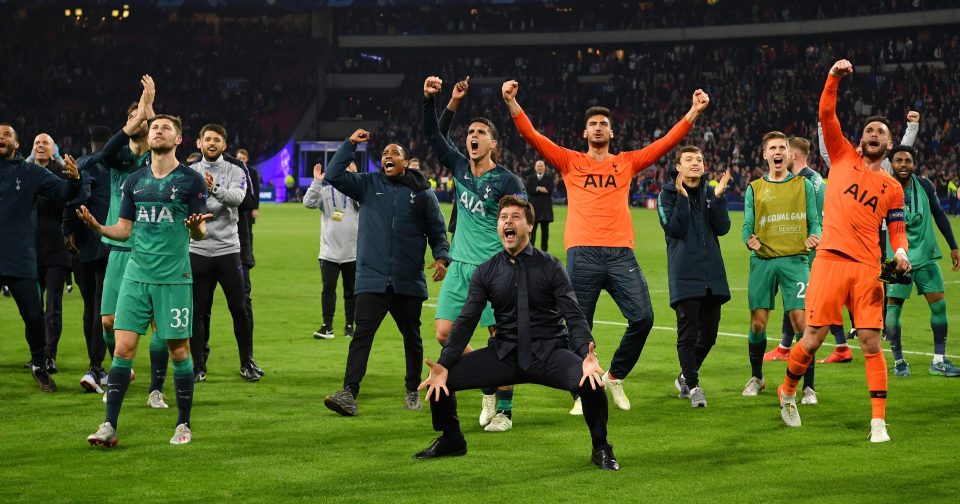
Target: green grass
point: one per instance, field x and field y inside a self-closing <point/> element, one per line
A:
<point x="274" y="441"/>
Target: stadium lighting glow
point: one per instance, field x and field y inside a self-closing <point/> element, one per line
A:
<point x="66" y="13"/>
<point x="78" y="12"/>
<point x="126" y="13"/>
<point x="115" y="13"/>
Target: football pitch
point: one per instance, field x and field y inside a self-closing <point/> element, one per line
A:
<point x="274" y="441"/>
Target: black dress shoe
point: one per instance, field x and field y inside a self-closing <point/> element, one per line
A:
<point x="442" y="447"/>
<point x="604" y="459"/>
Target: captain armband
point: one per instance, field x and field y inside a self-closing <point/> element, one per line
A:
<point x="895" y="215"/>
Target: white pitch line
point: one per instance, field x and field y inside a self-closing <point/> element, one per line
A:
<point x="734" y="335"/>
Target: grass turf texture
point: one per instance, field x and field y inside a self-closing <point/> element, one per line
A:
<point x="275" y="441"/>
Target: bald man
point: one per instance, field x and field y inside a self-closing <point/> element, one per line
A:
<point x="53" y="259"/>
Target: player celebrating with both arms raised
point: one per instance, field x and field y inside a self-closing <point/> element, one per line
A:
<point x="480" y="183"/>
<point x="599" y="229"/>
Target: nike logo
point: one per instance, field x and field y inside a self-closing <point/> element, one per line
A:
<point x="631" y="270"/>
<point x="137" y="191"/>
<point x="379" y="194"/>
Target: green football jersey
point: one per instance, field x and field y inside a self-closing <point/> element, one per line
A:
<point x="478" y="205"/>
<point x="125" y="163"/>
<point x="158" y="207"/>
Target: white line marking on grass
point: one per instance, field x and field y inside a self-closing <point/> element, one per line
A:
<point x="734" y="335"/>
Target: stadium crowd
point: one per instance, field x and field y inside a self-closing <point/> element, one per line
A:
<point x="761" y="85"/>
<point x="211" y="65"/>
<point x="608" y="15"/>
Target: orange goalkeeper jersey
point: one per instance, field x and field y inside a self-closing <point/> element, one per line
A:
<point x="857" y="199"/>
<point x="598" y="192"/>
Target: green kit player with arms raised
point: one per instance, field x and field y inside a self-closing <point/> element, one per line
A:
<point x="479" y="183"/>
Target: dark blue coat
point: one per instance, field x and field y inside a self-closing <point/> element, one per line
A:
<point x="95" y="195"/>
<point x="694" y="263"/>
<point x="20" y="184"/>
<point x="397" y="219"/>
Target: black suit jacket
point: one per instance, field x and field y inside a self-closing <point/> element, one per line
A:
<point x="542" y="202"/>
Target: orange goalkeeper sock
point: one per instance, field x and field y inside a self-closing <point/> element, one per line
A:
<point x="876" y="366"/>
<point x="796" y="365"/>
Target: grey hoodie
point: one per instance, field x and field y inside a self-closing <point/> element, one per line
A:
<point x="230" y="186"/>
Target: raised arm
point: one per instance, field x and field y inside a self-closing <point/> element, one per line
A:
<point x="657" y="149"/>
<point x="943" y="223"/>
<point x="348" y="183"/>
<point x="555" y="155"/>
<point x="446" y="117"/>
<point x="837" y="146"/>
<point x="444" y="149"/>
<point x="913" y="128"/>
<point x="314" y="197"/>
<point x="823" y="147"/>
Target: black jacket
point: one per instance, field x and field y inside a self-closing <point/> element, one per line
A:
<point x="691" y="226"/>
<point x="95" y="195"/>
<point x="51" y="251"/>
<point x="20" y="184"/>
<point x="397" y="217"/>
<point x="542" y="202"/>
<point x="550" y="298"/>
<point x="245" y="222"/>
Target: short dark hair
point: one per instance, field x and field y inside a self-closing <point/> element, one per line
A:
<point x="243" y="151"/>
<point x="403" y="150"/>
<point x="512" y="200"/>
<point x="216" y="128"/>
<point x="903" y="148"/>
<point x="688" y="148"/>
<point x="494" y="135"/>
<point x="594" y="111"/>
<point x="133" y="106"/>
<point x="100" y="134"/>
<point x="801" y="144"/>
<point x="878" y="118"/>
<point x="414" y="159"/>
<point x="177" y="123"/>
<point x="16" y="136"/>
<point x="770" y="135"/>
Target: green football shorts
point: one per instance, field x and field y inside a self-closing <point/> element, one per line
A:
<point x="789" y="275"/>
<point x="927" y="278"/>
<point x="116" y="266"/>
<point x="453" y="294"/>
<point x="171" y="305"/>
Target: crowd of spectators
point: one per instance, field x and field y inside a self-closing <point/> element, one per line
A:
<point x="552" y="16"/>
<point x="65" y="74"/>
<point x="755" y="86"/>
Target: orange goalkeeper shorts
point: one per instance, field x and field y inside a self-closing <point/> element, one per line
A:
<point x="837" y="281"/>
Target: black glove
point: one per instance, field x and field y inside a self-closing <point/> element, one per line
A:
<point x="890" y="275"/>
